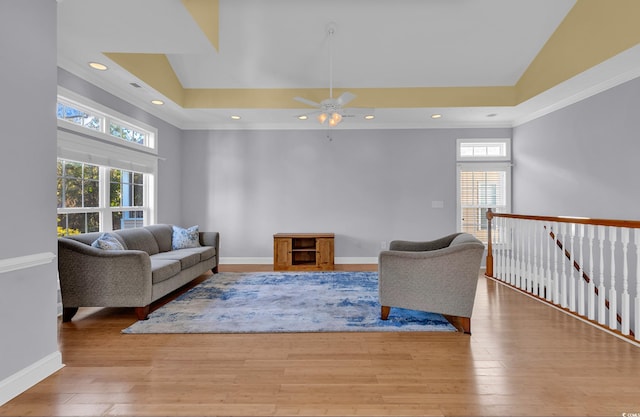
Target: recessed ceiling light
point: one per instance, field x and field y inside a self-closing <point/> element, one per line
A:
<point x="303" y="117"/>
<point x="436" y="116"/>
<point x="157" y="102"/>
<point x="492" y="114"/>
<point x="98" y="66"/>
<point x="369" y="116"/>
<point x="234" y="117"/>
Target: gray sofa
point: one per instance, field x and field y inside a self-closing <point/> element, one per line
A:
<point x="439" y="276"/>
<point x="145" y="271"/>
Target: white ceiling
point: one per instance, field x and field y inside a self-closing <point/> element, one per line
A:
<point x="284" y="44"/>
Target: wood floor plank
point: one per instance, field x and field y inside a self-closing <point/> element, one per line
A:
<point x="523" y="358"/>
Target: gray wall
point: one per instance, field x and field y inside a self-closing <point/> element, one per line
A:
<point x="366" y="186"/>
<point x="581" y="160"/>
<point x="28" y="322"/>
<point x="169" y="170"/>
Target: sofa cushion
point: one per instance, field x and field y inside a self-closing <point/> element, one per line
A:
<point x="185" y="238"/>
<point x="162" y="233"/>
<point x="187" y="259"/>
<point x="108" y="241"/>
<point x="139" y="239"/>
<point x="163" y="269"/>
<point x="204" y="252"/>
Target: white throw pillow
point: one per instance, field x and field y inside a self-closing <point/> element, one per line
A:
<point x="185" y="238"/>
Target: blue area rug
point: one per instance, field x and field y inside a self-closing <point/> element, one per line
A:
<point x="276" y="302"/>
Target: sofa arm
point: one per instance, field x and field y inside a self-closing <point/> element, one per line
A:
<point x="91" y="277"/>
<point x="210" y="239"/>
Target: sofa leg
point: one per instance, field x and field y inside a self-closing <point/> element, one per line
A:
<point x="384" y="312"/>
<point x="68" y="313"/>
<point x="142" y="312"/>
<point x="215" y="269"/>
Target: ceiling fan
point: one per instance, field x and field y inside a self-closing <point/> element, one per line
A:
<point x="332" y="110"/>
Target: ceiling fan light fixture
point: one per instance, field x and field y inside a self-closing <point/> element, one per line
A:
<point x="322" y="117"/>
<point x="337" y="117"/>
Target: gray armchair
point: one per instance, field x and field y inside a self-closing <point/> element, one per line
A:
<point x="438" y="276"/>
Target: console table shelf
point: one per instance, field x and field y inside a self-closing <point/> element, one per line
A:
<point x="303" y="252"/>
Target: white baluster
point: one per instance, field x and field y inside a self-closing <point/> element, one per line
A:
<point x="556" y="273"/>
<point x="535" y="273"/>
<point x="514" y="252"/>
<point x="624" y="309"/>
<point x="563" y="278"/>
<point x="602" y="308"/>
<point x="509" y="259"/>
<point x="613" y="298"/>
<point x="528" y="269"/>
<point x="591" y="287"/>
<point x="523" y="272"/>
<point x="503" y="244"/>
<point x="495" y="236"/>
<point x="497" y="262"/>
<point x="572" y="260"/>
<point x="636" y="235"/>
<point x="581" y="283"/>
<point x="549" y="278"/>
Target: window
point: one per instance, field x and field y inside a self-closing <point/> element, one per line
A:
<point x="483" y="184"/>
<point x="106" y="169"/>
<point x="78" y="198"/>
<point x="83" y="208"/>
<point x="113" y="128"/>
<point x="484" y="150"/>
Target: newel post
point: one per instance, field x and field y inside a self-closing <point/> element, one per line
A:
<point x="489" y="268"/>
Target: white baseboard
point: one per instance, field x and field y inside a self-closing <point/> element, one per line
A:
<point x="24" y="379"/>
<point x="356" y="260"/>
<point x="248" y="261"/>
<point x="269" y="260"/>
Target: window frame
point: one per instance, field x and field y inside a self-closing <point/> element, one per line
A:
<point x="505" y="142"/>
<point x="106" y="116"/>
<point x="488" y="163"/>
<point x="89" y="146"/>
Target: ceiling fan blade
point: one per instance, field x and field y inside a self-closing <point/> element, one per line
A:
<point x="307" y="102"/>
<point x="345" y="98"/>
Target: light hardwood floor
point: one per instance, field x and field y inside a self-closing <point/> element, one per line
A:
<point x="524" y="358"/>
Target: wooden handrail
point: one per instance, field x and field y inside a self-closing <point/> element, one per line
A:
<point x="631" y="224"/>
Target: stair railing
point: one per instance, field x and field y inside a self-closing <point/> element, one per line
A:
<point x="588" y="267"/>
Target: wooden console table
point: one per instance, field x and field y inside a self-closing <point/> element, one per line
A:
<point x="303" y="252"/>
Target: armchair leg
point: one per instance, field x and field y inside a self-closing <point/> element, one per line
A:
<point x="384" y="312"/>
<point x="142" y="313"/>
<point x="462" y="324"/>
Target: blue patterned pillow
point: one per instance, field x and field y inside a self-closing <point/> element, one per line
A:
<point x="107" y="241"/>
<point x="185" y="238"/>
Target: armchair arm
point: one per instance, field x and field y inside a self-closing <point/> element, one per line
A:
<point x="91" y="277"/>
